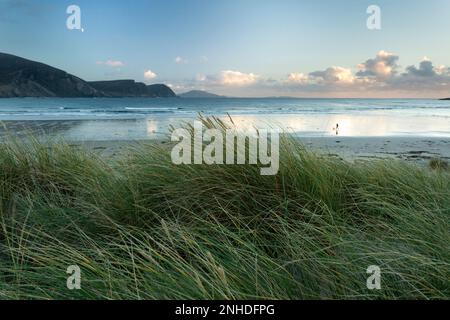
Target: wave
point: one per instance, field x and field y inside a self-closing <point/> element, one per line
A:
<point x="152" y="108"/>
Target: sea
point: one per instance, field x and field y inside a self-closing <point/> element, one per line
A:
<point x="100" y="119"/>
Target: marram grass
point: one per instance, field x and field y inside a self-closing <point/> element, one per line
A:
<point x="140" y="227"/>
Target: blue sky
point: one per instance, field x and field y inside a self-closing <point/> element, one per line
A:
<point x="242" y="47"/>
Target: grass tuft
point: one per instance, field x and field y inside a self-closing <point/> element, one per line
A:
<point x="438" y="164"/>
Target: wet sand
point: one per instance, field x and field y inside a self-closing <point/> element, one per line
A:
<point x="417" y="149"/>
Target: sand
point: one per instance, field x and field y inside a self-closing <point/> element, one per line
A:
<point x="419" y="150"/>
<point x="411" y="149"/>
<point x="416" y="149"/>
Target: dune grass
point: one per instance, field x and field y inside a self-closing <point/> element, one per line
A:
<point x="140" y="227"/>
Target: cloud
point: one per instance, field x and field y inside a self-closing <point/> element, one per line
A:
<point x="333" y="75"/>
<point x="227" y="82"/>
<point x="227" y="78"/>
<point x="236" y="78"/>
<point x="201" y="77"/>
<point x="426" y="69"/>
<point x="298" y="78"/>
<point x="384" y="65"/>
<point x="383" y="73"/>
<point x="380" y="76"/>
<point x="424" y="77"/>
<point x="149" y="75"/>
<point x="442" y="70"/>
<point x="112" y="63"/>
<point x="180" y="60"/>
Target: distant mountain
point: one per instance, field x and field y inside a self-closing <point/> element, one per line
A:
<point x="199" y="94"/>
<point x="445" y="99"/>
<point x="20" y="77"/>
<point x="131" y="88"/>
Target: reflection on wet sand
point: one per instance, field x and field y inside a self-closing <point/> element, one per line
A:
<point x="36" y="128"/>
<point x="349" y="125"/>
<point x="75" y="130"/>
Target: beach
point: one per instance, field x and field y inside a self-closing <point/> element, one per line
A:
<point x="113" y="137"/>
<point x="417" y="150"/>
<point x="407" y="129"/>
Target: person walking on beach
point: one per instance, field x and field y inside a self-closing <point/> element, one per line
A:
<point x="336" y="129"/>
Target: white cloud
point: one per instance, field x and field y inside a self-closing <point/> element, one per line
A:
<point x="237" y="78"/>
<point x="180" y="60"/>
<point x="112" y="63"/>
<point x="333" y="75"/>
<point x="299" y="78"/>
<point x="149" y="75"/>
<point x="442" y="70"/>
<point x="201" y="77"/>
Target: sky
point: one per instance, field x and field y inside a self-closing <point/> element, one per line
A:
<point x="299" y="48"/>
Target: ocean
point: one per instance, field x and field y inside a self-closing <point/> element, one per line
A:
<point x="144" y="118"/>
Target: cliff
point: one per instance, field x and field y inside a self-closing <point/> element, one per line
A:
<point x="20" y="77"/>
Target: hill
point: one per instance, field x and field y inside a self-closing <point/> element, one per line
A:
<point x="20" y="77"/>
<point x="25" y="78"/>
<point x="131" y="88"/>
<point x="199" y="94"/>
